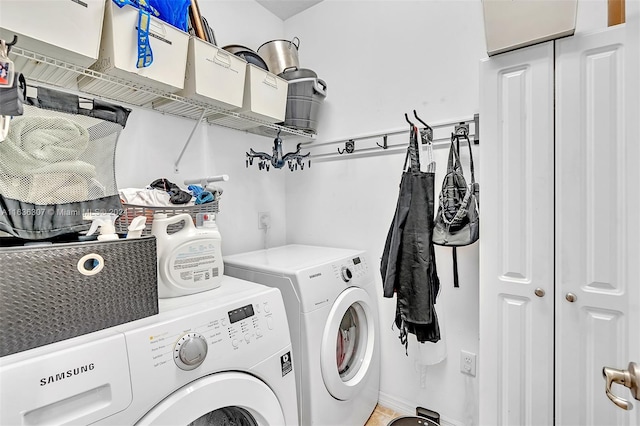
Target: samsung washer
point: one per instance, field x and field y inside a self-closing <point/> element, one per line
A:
<point x="216" y="357"/>
<point x="331" y="303"/>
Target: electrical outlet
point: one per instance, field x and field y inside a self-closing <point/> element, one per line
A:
<point x="468" y="363"/>
<point x="264" y="220"/>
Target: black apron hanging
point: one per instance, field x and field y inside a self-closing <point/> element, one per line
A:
<point x="408" y="264"/>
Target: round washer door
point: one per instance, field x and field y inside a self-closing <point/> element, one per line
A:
<point x="221" y="398"/>
<point x="347" y="344"/>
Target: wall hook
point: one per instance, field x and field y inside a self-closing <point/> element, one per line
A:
<point x="462" y="129"/>
<point x="11" y="43"/>
<point x="384" y="143"/>
<point x="406" y="117"/>
<point x="349" y="147"/>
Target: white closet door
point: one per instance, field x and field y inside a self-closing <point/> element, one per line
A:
<point x="516" y="244"/>
<point x="597" y="215"/>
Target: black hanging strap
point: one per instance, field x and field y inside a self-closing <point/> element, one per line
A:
<point x="455" y="268"/>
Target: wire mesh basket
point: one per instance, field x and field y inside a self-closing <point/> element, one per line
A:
<point x="57" y="164"/>
<point x="131" y="211"/>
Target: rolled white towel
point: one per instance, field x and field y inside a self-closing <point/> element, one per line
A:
<point x="35" y="142"/>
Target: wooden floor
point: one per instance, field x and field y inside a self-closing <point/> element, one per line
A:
<point x="382" y="416"/>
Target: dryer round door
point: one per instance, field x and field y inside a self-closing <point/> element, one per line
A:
<point x="347" y="344"/>
<point x="219" y="399"/>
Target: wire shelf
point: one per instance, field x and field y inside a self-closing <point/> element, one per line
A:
<point x="43" y="69"/>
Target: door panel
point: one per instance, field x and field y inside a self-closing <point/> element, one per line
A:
<point x="516" y="248"/>
<point x="597" y="239"/>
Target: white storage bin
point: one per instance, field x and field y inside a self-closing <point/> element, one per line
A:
<point x="66" y="30"/>
<point x="214" y="75"/>
<point x="512" y="24"/>
<point x="265" y="95"/>
<point x="119" y="50"/>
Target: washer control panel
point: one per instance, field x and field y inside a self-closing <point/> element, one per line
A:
<point x="245" y="327"/>
<point x="190" y="351"/>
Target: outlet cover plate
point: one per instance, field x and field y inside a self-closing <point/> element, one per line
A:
<point x="468" y="363"/>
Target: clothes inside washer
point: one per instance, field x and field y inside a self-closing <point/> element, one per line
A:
<point x="226" y="416"/>
<point x="346" y="346"/>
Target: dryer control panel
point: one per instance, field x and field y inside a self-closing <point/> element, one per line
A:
<point x="348" y="269"/>
<point x="320" y="285"/>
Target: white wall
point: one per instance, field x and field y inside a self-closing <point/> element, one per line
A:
<point x="381" y="59"/>
<point x="243" y="22"/>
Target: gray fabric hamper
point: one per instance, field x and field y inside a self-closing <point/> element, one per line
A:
<point x="44" y="297"/>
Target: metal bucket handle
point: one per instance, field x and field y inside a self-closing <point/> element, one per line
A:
<point x="292" y="42"/>
<point x="321" y="87"/>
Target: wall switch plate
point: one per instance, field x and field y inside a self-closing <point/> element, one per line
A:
<point x="264" y="220"/>
<point x="468" y="363"/>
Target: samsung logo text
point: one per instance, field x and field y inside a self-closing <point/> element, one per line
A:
<point x="66" y="374"/>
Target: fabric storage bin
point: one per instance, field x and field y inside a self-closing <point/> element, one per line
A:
<point x="119" y="50"/>
<point x="214" y="75"/>
<point x="55" y="292"/>
<point x="67" y="30"/>
<point x="265" y="95"/>
<point x="511" y="24"/>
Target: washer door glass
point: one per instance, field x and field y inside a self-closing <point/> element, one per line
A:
<point x="348" y="344"/>
<point x="235" y="416"/>
<point x="351" y="342"/>
<point x="220" y="399"/>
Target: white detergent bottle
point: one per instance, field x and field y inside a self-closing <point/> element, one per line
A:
<point x="189" y="260"/>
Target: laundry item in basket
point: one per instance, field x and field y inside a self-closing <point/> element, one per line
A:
<point x="146" y="197"/>
<point x="215" y="190"/>
<point x="178" y="196"/>
<point x="40" y="158"/>
<point x="202" y="195"/>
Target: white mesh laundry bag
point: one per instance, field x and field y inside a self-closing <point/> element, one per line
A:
<point x="57" y="164"/>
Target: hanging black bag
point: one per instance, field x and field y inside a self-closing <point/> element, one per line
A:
<point x="457" y="222"/>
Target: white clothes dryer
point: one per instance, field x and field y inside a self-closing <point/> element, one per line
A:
<point x="212" y="358"/>
<point x="331" y="303"/>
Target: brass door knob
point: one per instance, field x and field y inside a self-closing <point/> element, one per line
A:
<point x="571" y="297"/>
<point x="539" y="292"/>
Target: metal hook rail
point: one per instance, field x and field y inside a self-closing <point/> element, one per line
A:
<point x="468" y="126"/>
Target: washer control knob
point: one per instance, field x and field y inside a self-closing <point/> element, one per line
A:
<point x="190" y="351"/>
<point x="346" y="274"/>
<point x="247" y="338"/>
